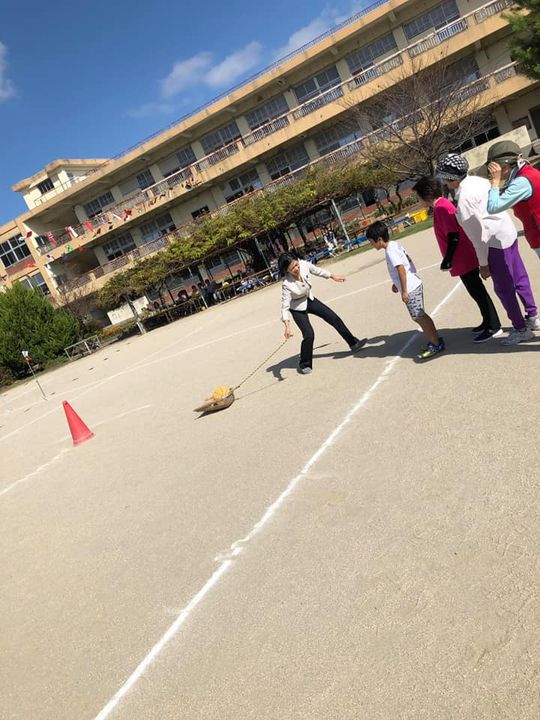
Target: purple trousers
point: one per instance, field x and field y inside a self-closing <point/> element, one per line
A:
<point x="511" y="281"/>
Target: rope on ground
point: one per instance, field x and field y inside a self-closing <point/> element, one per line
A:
<point x="251" y="374"/>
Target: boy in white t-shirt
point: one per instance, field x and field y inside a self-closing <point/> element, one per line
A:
<point x="408" y="284"/>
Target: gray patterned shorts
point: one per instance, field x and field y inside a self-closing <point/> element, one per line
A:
<point x="415" y="303"/>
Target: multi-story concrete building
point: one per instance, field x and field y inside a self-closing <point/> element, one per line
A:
<point x="285" y="118"/>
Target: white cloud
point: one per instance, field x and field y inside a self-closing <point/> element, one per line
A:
<point x="185" y="73"/>
<point x="7" y="89"/>
<point x="234" y="65"/>
<point x="151" y="108"/>
<point x="200" y="69"/>
<point x="313" y="29"/>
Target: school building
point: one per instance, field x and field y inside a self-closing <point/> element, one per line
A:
<point x="90" y="218"/>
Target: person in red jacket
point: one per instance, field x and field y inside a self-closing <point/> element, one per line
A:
<point x="459" y="256"/>
<point x="520" y="184"/>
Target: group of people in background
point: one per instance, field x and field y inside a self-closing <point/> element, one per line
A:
<point x="477" y="239"/>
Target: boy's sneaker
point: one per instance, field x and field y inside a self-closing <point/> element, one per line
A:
<point x="358" y="345"/>
<point x="518" y="336"/>
<point x="486" y="335"/>
<point x="305" y="370"/>
<point x="431" y="350"/>
<point x="533" y="323"/>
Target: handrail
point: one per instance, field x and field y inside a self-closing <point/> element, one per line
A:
<point x="479" y="85"/>
<point x="298" y="112"/>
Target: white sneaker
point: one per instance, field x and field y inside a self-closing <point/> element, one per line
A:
<point x="533" y="323"/>
<point x="518" y="336"/>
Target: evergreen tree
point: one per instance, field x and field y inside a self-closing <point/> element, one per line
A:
<point x="525" y="39"/>
<point x="28" y="321"/>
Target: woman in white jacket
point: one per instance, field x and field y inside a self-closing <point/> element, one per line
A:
<point x="297" y="301"/>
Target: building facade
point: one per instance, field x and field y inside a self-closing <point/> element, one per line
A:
<point x="88" y="219"/>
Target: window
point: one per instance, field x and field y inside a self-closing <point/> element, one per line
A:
<point x="335" y="137"/>
<point x="218" y="139"/>
<point x="292" y="159"/>
<point x="264" y="113"/>
<point x="432" y="20"/>
<point x="490" y="132"/>
<point x="157" y="228"/>
<point x="522" y="122"/>
<point x="238" y="186"/>
<point x="14" y="250"/>
<point x="317" y="84"/>
<point x="119" y="246"/>
<point x="42" y="240"/>
<point x="145" y="179"/>
<point x="365" y="57"/>
<point x="178" y="161"/>
<point x="45" y="186"/>
<point x="94" y="207"/>
<point x="462" y="72"/>
<point x="201" y="211"/>
<point x="36" y="282"/>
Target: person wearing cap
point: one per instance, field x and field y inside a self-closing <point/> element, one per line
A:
<point x="515" y="184"/>
<point x="494" y="238"/>
<point x="459" y="256"/>
<point x="297" y="300"/>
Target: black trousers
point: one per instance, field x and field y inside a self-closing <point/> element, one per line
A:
<point x="301" y="318"/>
<point x="477" y="290"/>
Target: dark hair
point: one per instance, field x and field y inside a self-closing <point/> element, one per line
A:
<point x="284" y="260"/>
<point x="428" y="188"/>
<point x="377" y="230"/>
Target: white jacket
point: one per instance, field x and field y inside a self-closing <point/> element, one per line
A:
<point x="483" y="229"/>
<point x="295" y="293"/>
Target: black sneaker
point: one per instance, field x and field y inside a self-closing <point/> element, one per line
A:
<point x="358" y="345"/>
<point x="479" y="328"/>
<point x="486" y="335"/>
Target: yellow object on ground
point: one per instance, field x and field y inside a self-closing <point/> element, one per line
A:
<point x="420" y="215"/>
<point x="221" y="392"/>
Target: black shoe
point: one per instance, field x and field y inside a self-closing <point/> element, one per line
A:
<point x="358" y="345"/>
<point x="486" y="335"/>
<point x="479" y="328"/>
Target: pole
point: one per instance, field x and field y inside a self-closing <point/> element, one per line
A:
<point x="27" y="359"/>
<point x="342" y="224"/>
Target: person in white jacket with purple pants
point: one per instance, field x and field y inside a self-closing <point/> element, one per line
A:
<point x="494" y="238"/>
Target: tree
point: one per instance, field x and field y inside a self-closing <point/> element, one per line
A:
<point x="525" y="38"/>
<point x="29" y="322"/>
<point x="425" y="113"/>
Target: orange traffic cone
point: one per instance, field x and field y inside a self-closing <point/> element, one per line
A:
<point x="80" y="432"/>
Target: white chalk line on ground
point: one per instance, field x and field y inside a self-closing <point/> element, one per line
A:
<point x="35" y="472"/>
<point x="226" y="560"/>
<point x="65" y="450"/>
<point x="140" y="364"/>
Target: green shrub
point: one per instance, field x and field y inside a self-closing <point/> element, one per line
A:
<point x="29" y="322"/>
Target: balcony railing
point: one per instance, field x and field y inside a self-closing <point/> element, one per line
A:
<point x="477" y="86"/>
<point x="161" y="190"/>
<point x="265" y="130"/>
<point x="376" y="71"/>
<point x="318" y="102"/>
<point x="439" y="37"/>
<point x="505" y="74"/>
<point x="493" y="8"/>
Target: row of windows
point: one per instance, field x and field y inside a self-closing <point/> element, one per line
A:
<point x="358" y="61"/>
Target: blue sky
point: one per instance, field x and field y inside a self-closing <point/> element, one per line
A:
<point x="81" y="80"/>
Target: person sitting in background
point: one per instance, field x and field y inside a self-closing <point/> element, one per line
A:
<point x="458" y="253"/>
